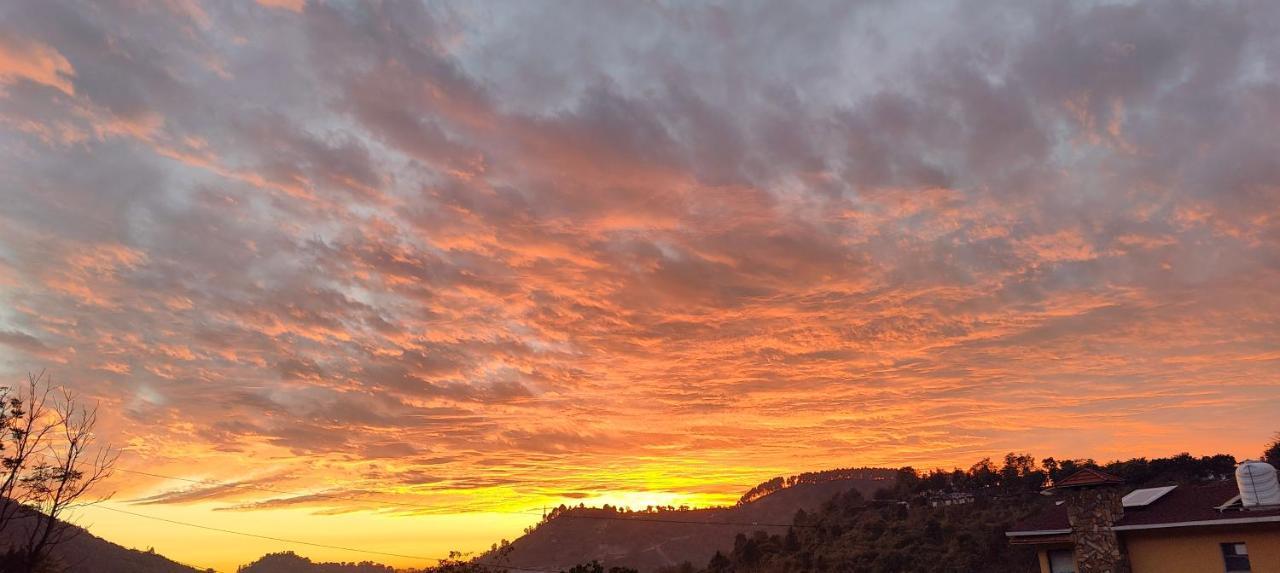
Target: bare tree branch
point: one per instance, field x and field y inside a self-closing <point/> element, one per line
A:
<point x="51" y="461"/>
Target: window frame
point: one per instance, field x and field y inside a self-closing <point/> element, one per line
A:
<point x="1071" y="558"/>
<point x="1230" y="552"/>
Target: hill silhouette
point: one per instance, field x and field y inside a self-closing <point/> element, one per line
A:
<point x="867" y="519"/>
<point x="905" y="528"/>
<point x="648" y="540"/>
<point x="290" y="562"/>
<point x="83" y="552"/>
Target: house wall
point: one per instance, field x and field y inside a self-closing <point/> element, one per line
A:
<point x="1197" y="549"/>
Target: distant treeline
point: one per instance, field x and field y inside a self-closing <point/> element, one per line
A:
<point x="290" y="562"/>
<point x="780" y="483"/>
<point x="1019" y="473"/>
<point x="900" y="530"/>
<point x="759" y="491"/>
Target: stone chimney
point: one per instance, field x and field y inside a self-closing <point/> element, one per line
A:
<point x="1093" y="508"/>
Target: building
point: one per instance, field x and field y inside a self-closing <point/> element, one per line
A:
<point x="1100" y="526"/>
<point x="950" y="498"/>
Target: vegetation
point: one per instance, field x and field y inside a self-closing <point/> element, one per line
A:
<point x="908" y="526"/>
<point x="853" y="534"/>
<point x="779" y="483"/>
<point x="1271" y="455"/>
<point x="48" y="462"/>
<point x="657" y="536"/>
<point x="290" y="562"/>
<point x="468" y="567"/>
<point x="82" y="552"/>
<point x="1019" y="473"/>
<point x="937" y="520"/>
<point x="595" y="567"/>
<point x="902" y="530"/>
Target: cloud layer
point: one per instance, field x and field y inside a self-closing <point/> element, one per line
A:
<point x="494" y="255"/>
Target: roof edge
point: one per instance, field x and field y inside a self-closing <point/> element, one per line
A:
<point x="1088" y="477"/>
<point x="1147" y="526"/>
<point x="1203" y="522"/>
<point x="1036" y="533"/>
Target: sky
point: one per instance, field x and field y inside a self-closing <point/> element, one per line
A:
<point x="475" y="258"/>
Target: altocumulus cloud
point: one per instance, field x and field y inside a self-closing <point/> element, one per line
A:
<point x="529" y="243"/>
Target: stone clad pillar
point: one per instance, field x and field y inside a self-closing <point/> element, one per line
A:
<point x="1093" y="508"/>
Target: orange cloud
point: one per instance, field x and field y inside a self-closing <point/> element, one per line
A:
<point x="409" y="253"/>
<point x="291" y="5"/>
<point x="23" y="59"/>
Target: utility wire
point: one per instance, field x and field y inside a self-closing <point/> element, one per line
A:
<point x="685" y="521"/>
<point x="422" y="506"/>
<point x="307" y="543"/>
<point x="267" y="537"/>
<point x="240" y="485"/>
<point x="402" y="555"/>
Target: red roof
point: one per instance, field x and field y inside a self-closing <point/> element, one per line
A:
<point x="1184" y="506"/>
<point x="1087" y="477"/>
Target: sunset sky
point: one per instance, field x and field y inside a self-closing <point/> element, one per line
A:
<point x="475" y="258"/>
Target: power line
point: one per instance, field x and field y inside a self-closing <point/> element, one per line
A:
<point x="507" y="567"/>
<point x="240" y="485"/>
<point x="422" y="506"/>
<point x="307" y="543"/>
<point x="267" y="537"/>
<point x="417" y="557"/>
<point x="683" y="521"/>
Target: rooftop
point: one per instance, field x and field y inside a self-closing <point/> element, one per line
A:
<point x="1183" y="506"/>
<point x="1088" y="477"/>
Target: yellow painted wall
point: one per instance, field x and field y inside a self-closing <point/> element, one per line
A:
<point x="1197" y="550"/>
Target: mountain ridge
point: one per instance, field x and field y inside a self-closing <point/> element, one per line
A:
<point x="649" y="540"/>
<point x="83" y="552"/>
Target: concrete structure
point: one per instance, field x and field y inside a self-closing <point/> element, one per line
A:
<point x="1202" y="528"/>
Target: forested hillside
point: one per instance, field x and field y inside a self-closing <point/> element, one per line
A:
<point x="932" y="521"/>
<point x="82" y="552"/>
<point x="836" y="521"/>
<point x="661" y="536"/>
<point x="901" y="529"/>
<point x="289" y="562"/>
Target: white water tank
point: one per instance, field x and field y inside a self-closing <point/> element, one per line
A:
<point x="1258" y="484"/>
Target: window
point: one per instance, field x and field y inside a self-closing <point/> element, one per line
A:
<point x="1235" y="557"/>
<point x="1062" y="561"/>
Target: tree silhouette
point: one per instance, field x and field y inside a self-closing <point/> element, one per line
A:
<point x="596" y="567"/>
<point x="50" y="461"/>
<point x="1271" y="455"/>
